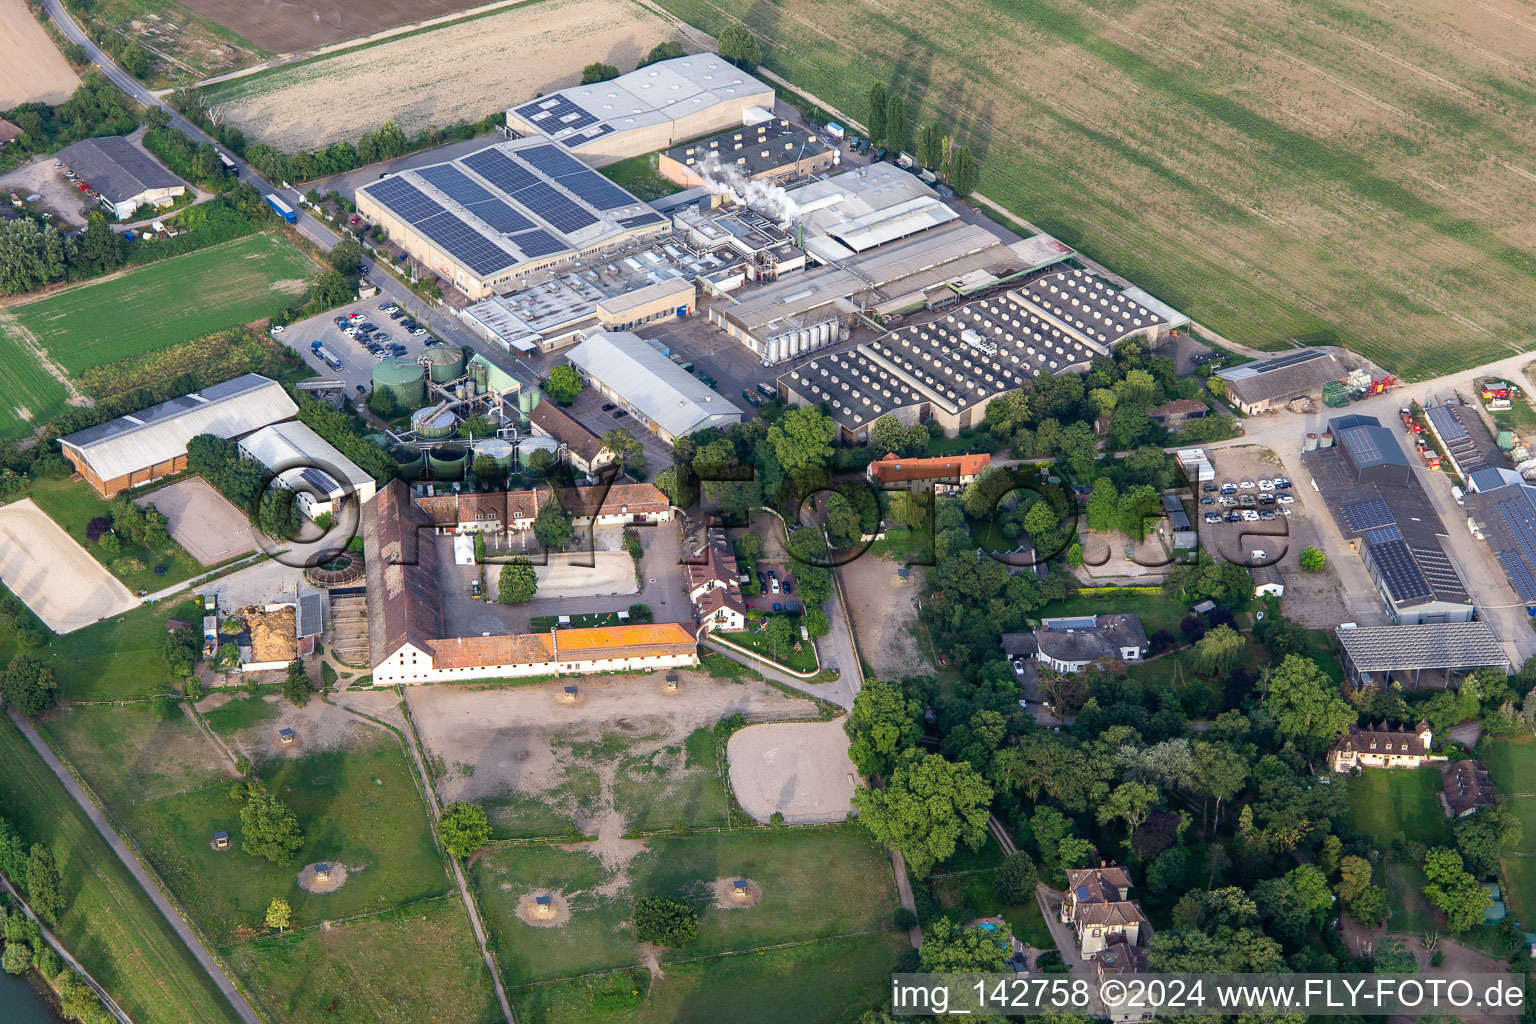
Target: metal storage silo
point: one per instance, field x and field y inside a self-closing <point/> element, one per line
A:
<point x="496" y="448"/>
<point x="1326" y="440"/>
<point x="434" y="424"/>
<point x="410" y="460"/>
<point x="1309" y="443"/>
<point x="403" y="379"/>
<point x="447" y="462"/>
<point x="530" y="444"/>
<point x="481" y="377"/>
<point x="444" y="363"/>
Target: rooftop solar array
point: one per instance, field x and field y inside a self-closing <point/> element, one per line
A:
<point x="644" y="218"/>
<point x="551" y="114"/>
<point x="551" y="161"/>
<point x="500" y="215"/>
<point x="581" y="138"/>
<point x="449" y="233"/>
<point x="1382" y="534"/>
<point x="1399" y="570"/>
<point x="1519" y="576"/>
<point x="408" y="202"/>
<point x="1518" y="516"/>
<point x="1368" y="515"/>
<point x="454" y="184"/>
<point x="1361" y="444"/>
<point x="500" y="170"/>
<point x="537" y="243"/>
<point x="1458" y="440"/>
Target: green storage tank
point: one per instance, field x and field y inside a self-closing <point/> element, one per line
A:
<point x="497" y="448"/>
<point x="444" y="363"/>
<point x="410" y="460"/>
<point x="481" y="374"/>
<point x="447" y="462"/>
<point x="434" y="424"/>
<point x="402" y="378"/>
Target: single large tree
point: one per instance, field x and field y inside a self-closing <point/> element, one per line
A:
<point x="951" y="948"/>
<point x="296" y="686"/>
<point x="802" y="439"/>
<point x="518" y="582"/>
<point x="1217" y="651"/>
<point x="1454" y="889"/>
<point x="552" y="526"/>
<point x="740" y="47"/>
<point x="28" y="685"/>
<point x="1307" y="706"/>
<point x="882" y="724"/>
<point x="597" y="71"/>
<point x="896" y="123"/>
<point x="927" y="809"/>
<point x="464" y="828"/>
<point x="876" y="115"/>
<point x="1220" y="772"/>
<point x="1129" y="802"/>
<point x="269" y="828"/>
<point x="563" y="384"/>
<point x="279" y="914"/>
<point x="664" y="922"/>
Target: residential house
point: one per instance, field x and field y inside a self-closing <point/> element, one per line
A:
<point x="583" y="449"/>
<point x="714" y="587"/>
<point x="1069" y="644"/>
<point x="1464" y="787"/>
<point x="1380" y="746"/>
<point x="1098" y="906"/>
<point x="946" y="474"/>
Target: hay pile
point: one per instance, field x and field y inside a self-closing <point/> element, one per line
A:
<point x="273" y="634"/>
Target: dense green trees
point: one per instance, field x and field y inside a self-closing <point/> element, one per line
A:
<point x="268" y="828"/>
<point x="802" y="439"/>
<point x="896" y="123"/>
<point x="563" y="384"/>
<point x="928" y="807"/>
<point x="28" y="685"/>
<point x="1454" y="889"/>
<point x="182" y="648"/>
<point x="623" y="443"/>
<point x="951" y="948"/>
<point x="881" y="725"/>
<point x="664" y="922"/>
<point x="740" y="47"/>
<point x="45" y="889"/>
<point x="874" y="116"/>
<point x="1306" y="706"/>
<point x="668" y="50"/>
<point x="597" y="71"/>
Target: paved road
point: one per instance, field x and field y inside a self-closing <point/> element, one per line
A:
<point x="1489" y="587"/>
<point x="131" y="862"/>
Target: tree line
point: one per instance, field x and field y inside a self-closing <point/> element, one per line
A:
<point x="949" y="159"/>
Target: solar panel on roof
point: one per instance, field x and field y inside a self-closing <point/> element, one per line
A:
<point x="465" y="244"/>
<point x="1367" y="515"/>
<point x="1382" y="534"/>
<point x="1398" y="570"/>
<point x="1519" y="576"/>
<point x="318" y="480"/>
<point x="551" y="114"/>
<point x="644" y="218"/>
<point x="551" y="161"/>
<point x="536" y="243"/>
<point x="591" y="134"/>
<point x="1362" y="444"/>
<point x="404" y="200"/>
<point x="563" y="213"/>
<point x="501" y="216"/>
<point x="500" y="170"/>
<point x="597" y="190"/>
<point x="454" y="184"/>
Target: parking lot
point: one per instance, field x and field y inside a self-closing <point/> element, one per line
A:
<point x="356" y="362"/>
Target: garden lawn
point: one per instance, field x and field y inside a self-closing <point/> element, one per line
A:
<point x="109" y="923"/>
<point x="849" y="890"/>
<point x="1386" y="801"/>
<point x="240" y="713"/>
<point x="122" y="658"/>
<point x="639" y="177"/>
<point x="418" y="965"/>
<point x="169" y="302"/>
<point x="73" y="504"/>
<point x="1511" y="763"/>
<point x="358" y="807"/>
<point x="803" y="660"/>
<point x="1156" y="610"/>
<point x="821" y="983"/>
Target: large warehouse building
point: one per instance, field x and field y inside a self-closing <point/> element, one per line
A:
<point x="144" y="446"/>
<point x="122" y="175"/>
<point x="651" y="108"/>
<point x="775" y="151"/>
<point x="323" y="480"/>
<point x="1271" y="383"/>
<point x="488" y="218"/>
<point x="650" y="387"/>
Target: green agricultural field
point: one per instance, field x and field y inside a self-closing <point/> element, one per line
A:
<point x="1386" y="801"/>
<point x="413" y="966"/>
<point x="110" y="923"/>
<point x="168" y="302"/>
<point x="32" y="394"/>
<point x="822" y="983"/>
<point x="358" y="807"/>
<point x="1285" y="172"/>
<point x="849" y="891"/>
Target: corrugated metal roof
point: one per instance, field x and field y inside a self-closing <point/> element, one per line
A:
<point x="160" y="433"/>
<point x="651" y="383"/>
<point x="117" y="168"/>
<point x="292" y="446"/>
<point x="1455" y="645"/>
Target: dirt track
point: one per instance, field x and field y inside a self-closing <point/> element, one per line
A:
<point x="458" y="72"/>
<point x="203" y="521"/>
<point x="799" y="769"/>
<point x="31" y="67"/>
<point x="57" y="578"/>
<point x="884" y="614"/>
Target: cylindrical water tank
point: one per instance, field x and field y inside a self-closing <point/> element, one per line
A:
<point x="403" y="379"/>
<point x="496" y="448"/>
<point x="1326" y="440"/>
<point x="482" y="377"/>
<point x="410" y="460"/>
<point x="444" y="363"/>
<point x="433" y="424"/>
<point x="447" y="462"/>
<point x="530" y="444"/>
<point x="1309" y="444"/>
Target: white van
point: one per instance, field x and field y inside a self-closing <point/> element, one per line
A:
<point x="1459" y="495"/>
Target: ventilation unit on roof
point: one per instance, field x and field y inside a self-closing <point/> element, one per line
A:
<point x="977" y="342"/>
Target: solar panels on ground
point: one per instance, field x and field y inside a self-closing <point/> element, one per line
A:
<point x="454" y="184"/>
<point x="465" y="244"/>
<point x="536" y="243"/>
<point x="499" y="215"/>
<point x="405" y="200"/>
<point x="1367" y="515"/>
<point x="500" y="170"/>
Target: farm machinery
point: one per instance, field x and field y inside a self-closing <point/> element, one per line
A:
<point x="1360" y="384"/>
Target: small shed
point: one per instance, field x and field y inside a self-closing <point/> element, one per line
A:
<point x="286" y="736"/>
<point x="624" y="616"/>
<point x="322" y="871"/>
<point x="221" y="840"/>
<point x="543" y="906"/>
<point x="562" y="621"/>
<point x="739" y="888"/>
<point x="569" y="695"/>
<point x="1204" y="607"/>
<point x="672" y="681"/>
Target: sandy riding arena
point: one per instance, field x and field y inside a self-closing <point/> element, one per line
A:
<point x="31" y="67"/>
<point x="53" y="574"/>
<point x="555" y="914"/>
<point x="462" y="71"/>
<point x="799" y="769"/>
<point x="203" y="521"/>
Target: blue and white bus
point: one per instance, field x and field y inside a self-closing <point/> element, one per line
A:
<point x="283" y="209"/>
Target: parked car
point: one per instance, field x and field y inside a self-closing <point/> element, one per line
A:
<point x="381" y="336"/>
<point x="1267" y="515"/>
<point x="395" y="314"/>
<point x="1213" y="517"/>
<point x="1246" y="485"/>
<point x="355" y="317"/>
<point x="619" y="414"/>
<point x="786" y="587"/>
<point x="1285" y="511"/>
<point x="362" y="389"/>
<point x="777" y="606"/>
<point x="1247" y="500"/>
<point x="1229" y="488"/>
<point x="1266" y="499"/>
<point x="1234" y="517"/>
<point x="1284" y="499"/>
<point x="1207" y="501"/>
<point x="340" y="320"/>
<point x="1210" y="487"/>
<point x="275" y="330"/>
<point x="608" y="407"/>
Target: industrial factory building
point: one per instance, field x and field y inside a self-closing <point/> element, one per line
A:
<point x="122" y="175"/>
<point x="1381" y="508"/>
<point x="651" y="108"/>
<point x="634" y="374"/>
<point x="489" y="218"/>
<point x="144" y="446"/>
<point x="1271" y="383"/>
<point x="946" y="369"/>
<point x="776" y="151"/>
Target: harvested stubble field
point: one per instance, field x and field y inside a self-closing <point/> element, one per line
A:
<point x="164" y="303"/>
<point x="31" y="67"/>
<point x="1347" y="173"/>
<point x="461" y="71"/>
